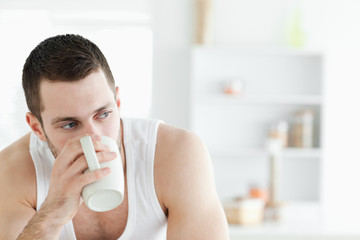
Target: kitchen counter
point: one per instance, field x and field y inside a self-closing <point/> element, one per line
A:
<point x="300" y="221"/>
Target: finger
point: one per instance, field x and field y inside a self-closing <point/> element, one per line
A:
<point x="98" y="145"/>
<point x="73" y="150"/>
<point x="90" y="177"/>
<point x="106" y="156"/>
<point x="80" y="165"/>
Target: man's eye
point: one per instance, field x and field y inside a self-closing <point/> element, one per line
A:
<point x="68" y="126"/>
<point x="104" y="115"/>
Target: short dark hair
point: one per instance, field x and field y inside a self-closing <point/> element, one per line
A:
<point x="62" y="58"/>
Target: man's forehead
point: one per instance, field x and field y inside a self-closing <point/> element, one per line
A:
<point x="94" y="79"/>
<point x="79" y="96"/>
<point x="67" y="116"/>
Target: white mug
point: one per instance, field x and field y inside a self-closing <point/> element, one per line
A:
<point x="107" y="193"/>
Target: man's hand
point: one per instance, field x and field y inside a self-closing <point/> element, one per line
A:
<point x="66" y="183"/>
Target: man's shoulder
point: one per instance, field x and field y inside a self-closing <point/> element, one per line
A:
<point x="178" y="148"/>
<point x="175" y="143"/>
<point x="184" y="175"/>
<point x="179" y="155"/>
<point x="17" y="169"/>
<point x="171" y="135"/>
<point x="16" y="153"/>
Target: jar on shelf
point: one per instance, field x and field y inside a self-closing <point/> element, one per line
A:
<point x="234" y="87"/>
<point x="280" y="131"/>
<point x="303" y="129"/>
<point x="244" y="211"/>
<point x="260" y="191"/>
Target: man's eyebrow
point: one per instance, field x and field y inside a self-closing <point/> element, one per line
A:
<point x="63" y="119"/>
<point x="71" y="119"/>
<point x="110" y="104"/>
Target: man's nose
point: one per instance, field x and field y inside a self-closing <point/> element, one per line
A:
<point x="90" y="129"/>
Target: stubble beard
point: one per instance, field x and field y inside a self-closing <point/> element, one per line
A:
<point x="53" y="150"/>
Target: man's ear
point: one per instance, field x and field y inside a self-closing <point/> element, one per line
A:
<point x="35" y="126"/>
<point x="117" y="97"/>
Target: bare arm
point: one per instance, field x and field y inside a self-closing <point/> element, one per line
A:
<point x="187" y="190"/>
<point x="13" y="219"/>
<point x="63" y="200"/>
<point x="17" y="188"/>
<point x="15" y="211"/>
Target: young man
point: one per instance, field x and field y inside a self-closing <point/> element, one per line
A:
<point x="70" y="92"/>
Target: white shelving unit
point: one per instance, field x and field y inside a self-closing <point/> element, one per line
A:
<point x="308" y="153"/>
<point x="278" y="82"/>
<point x="283" y="100"/>
<point x="301" y="220"/>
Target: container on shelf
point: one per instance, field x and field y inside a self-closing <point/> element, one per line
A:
<point x="280" y="131"/>
<point x="204" y="22"/>
<point x="303" y="129"/>
<point x="234" y="87"/>
<point x="257" y="190"/>
<point x="245" y="211"/>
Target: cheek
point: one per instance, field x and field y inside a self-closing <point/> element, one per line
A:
<point x="57" y="139"/>
<point x="60" y="139"/>
<point x="112" y="127"/>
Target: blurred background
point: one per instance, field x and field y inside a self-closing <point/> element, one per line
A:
<point x="271" y="86"/>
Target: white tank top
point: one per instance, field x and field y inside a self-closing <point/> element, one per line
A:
<point x="146" y="220"/>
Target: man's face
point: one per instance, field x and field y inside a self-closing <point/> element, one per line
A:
<point x="72" y="109"/>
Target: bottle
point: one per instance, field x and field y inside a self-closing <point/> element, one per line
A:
<point x="303" y="129"/>
<point x="296" y="34"/>
<point x="203" y="34"/>
<point x="280" y="131"/>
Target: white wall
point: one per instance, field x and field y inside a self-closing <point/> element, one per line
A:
<point x="341" y="176"/>
<point x="121" y="29"/>
<point x="172" y="26"/>
<point x="235" y="22"/>
<point x="330" y="25"/>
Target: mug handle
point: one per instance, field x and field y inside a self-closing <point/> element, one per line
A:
<point x="89" y="152"/>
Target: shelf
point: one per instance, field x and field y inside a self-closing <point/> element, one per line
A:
<point x="275" y="99"/>
<point x="302" y="220"/>
<point x="302" y="153"/>
<point x="261" y="152"/>
<point x="260" y="50"/>
<point x="278" y="83"/>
